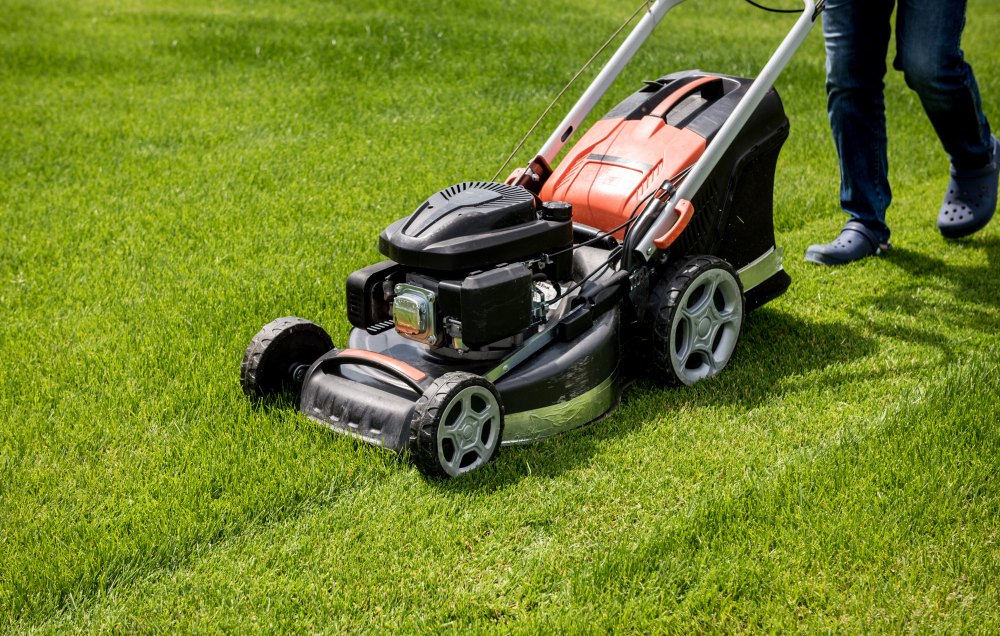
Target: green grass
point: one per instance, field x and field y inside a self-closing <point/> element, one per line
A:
<point x="173" y="176"/>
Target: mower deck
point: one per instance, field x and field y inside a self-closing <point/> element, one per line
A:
<point x="562" y="387"/>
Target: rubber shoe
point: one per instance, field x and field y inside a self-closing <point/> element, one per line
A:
<point x="971" y="199"/>
<point x="855" y="242"/>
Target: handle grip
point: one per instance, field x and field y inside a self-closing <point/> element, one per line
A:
<point x="710" y="88"/>
<point x="684" y="211"/>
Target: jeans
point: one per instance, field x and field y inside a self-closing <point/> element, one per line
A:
<point x="928" y="51"/>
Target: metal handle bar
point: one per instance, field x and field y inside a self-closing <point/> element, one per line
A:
<point x="704" y="166"/>
<point x="594" y="93"/>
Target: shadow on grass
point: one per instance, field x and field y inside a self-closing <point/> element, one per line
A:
<point x="775" y="346"/>
<point x="775" y="349"/>
<point x="979" y="284"/>
<point x="976" y="288"/>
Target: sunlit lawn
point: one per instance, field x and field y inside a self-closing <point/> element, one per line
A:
<point x="173" y="175"/>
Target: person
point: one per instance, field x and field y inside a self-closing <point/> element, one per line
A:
<point x="928" y="52"/>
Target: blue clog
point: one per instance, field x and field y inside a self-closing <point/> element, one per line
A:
<point x="856" y="241"/>
<point x="971" y="199"/>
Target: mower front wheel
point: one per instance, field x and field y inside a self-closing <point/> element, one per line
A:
<point x="697" y="312"/>
<point x="280" y="353"/>
<point x="457" y="425"/>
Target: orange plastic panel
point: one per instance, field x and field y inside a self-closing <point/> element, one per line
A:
<point x="684" y="211"/>
<point x="414" y="374"/>
<point x="617" y="163"/>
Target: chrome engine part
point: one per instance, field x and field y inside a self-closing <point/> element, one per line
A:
<point x="413" y="313"/>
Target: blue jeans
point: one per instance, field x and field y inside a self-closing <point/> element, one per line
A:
<point x="928" y="51"/>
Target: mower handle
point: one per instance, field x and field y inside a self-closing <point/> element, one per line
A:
<point x="645" y="247"/>
<point x="571" y="122"/>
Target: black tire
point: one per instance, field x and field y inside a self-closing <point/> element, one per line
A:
<point x="277" y="350"/>
<point x="671" y="322"/>
<point x="436" y="424"/>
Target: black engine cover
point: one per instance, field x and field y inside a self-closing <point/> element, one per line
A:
<point x="496" y="304"/>
<point x="473" y="225"/>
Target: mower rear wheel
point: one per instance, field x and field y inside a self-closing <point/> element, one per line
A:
<point x="457" y="425"/>
<point x="697" y="312"/>
<point x="280" y="353"/>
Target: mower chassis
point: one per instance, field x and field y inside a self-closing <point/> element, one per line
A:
<point x="560" y="387"/>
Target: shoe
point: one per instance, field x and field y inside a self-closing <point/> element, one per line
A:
<point x="971" y="199"/>
<point x="856" y="241"/>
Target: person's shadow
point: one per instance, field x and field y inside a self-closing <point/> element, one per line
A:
<point x="977" y="286"/>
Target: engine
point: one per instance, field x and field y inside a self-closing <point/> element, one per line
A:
<point x="469" y="272"/>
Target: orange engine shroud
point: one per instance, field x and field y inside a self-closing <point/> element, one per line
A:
<point x="620" y="160"/>
<point x="655" y="134"/>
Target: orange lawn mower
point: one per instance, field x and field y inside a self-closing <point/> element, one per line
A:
<point x="508" y="312"/>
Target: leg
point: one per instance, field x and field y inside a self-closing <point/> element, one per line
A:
<point x="928" y="51"/>
<point x="857" y="39"/>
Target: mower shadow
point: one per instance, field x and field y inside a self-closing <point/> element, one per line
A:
<point x="780" y="355"/>
<point x="776" y="348"/>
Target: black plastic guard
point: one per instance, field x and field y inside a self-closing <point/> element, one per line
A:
<point x="379" y="415"/>
<point x="768" y="290"/>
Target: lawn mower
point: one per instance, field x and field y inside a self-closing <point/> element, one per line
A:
<point x="509" y="312"/>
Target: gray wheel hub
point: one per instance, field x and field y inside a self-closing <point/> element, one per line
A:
<point x="706" y="327"/>
<point x="469" y="430"/>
